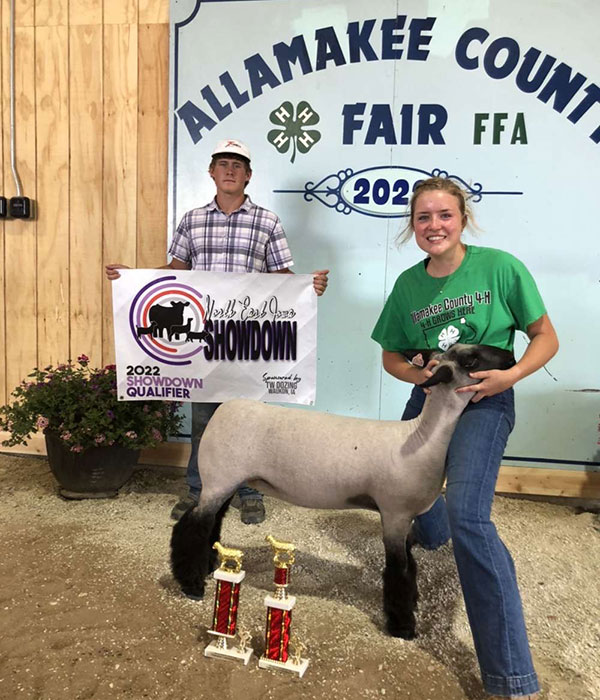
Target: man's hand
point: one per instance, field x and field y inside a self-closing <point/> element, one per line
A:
<point x="320" y="281"/>
<point x="112" y="270"/>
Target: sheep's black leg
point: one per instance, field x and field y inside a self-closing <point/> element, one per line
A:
<point x="399" y="588"/>
<point x="190" y="550"/>
<point x="412" y="569"/>
<point x="216" y="534"/>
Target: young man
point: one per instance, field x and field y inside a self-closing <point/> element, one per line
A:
<point x="230" y="234"/>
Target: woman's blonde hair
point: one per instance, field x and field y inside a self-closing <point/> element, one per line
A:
<point x="446" y="185"/>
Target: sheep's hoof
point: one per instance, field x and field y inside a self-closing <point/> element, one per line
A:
<point x="193" y="595"/>
<point x="401" y="631"/>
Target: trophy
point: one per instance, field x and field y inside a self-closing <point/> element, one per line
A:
<point x="228" y="576"/>
<point x="279" y="615"/>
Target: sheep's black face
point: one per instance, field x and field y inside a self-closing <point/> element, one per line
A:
<point x="457" y="362"/>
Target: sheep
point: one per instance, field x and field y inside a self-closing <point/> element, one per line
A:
<point x="193" y="335"/>
<point x="179" y="328"/>
<point x="151" y="329"/>
<point x="321" y="460"/>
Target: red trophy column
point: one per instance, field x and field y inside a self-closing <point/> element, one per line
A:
<point x="279" y="614"/>
<point x="228" y="576"/>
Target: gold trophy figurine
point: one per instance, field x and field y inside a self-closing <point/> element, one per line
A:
<point x="245" y="638"/>
<point x="283" y="558"/>
<point x="299" y="648"/>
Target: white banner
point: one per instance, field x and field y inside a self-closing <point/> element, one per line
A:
<point x="213" y="336"/>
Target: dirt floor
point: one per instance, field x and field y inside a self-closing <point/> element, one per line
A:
<point x="88" y="608"/>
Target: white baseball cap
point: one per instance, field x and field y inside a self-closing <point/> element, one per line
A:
<point x="232" y="146"/>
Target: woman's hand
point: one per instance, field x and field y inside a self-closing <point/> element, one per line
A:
<point x="493" y="381"/>
<point x="426" y="372"/>
<point x="542" y="347"/>
<point x="398" y="366"/>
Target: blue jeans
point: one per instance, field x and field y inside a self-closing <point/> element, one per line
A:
<point x="485" y="567"/>
<point x="201" y="414"/>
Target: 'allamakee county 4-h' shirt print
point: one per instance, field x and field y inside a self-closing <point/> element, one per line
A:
<point x="488" y="298"/>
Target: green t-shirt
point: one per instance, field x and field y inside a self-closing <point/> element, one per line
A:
<point x="485" y="300"/>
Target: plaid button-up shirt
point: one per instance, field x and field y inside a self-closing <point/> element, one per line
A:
<point x="250" y="239"/>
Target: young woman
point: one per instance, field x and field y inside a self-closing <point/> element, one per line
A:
<point x="470" y="294"/>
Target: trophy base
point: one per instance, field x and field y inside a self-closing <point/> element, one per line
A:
<point x="288" y="665"/>
<point x="217" y="651"/>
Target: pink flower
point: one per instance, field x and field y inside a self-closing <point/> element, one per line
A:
<point x="99" y="439"/>
<point x="65" y="436"/>
<point x="83" y="359"/>
<point x="131" y="434"/>
<point x="157" y="435"/>
<point x="42" y="423"/>
<point x="111" y="368"/>
<point x="77" y="448"/>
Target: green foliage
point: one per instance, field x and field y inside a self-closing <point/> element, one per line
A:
<point x="80" y="405"/>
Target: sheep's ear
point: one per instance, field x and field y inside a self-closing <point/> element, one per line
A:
<point x="420" y="358"/>
<point x="506" y="358"/>
<point x="442" y="375"/>
<point x="496" y="357"/>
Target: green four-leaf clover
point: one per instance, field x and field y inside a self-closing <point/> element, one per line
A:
<point x="293" y="129"/>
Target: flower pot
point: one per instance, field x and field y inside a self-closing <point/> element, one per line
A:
<point x="97" y="472"/>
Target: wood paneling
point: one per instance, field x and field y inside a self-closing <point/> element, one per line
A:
<point x="24" y="12"/>
<point x="123" y="12"/>
<point x="120" y="159"/>
<point x="3" y="340"/>
<point x="91" y="144"/>
<point x="152" y="144"/>
<point x="20" y="237"/>
<point x="549" y="482"/>
<point x="52" y="158"/>
<point x="87" y="12"/>
<point x="51" y="13"/>
<point x="151" y="12"/>
<point x="85" y="200"/>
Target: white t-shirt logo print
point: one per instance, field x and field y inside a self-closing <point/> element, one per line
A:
<point x="448" y="337"/>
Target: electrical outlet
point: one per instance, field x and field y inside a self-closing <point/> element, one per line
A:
<point x="3" y="207"/>
<point x="20" y="207"/>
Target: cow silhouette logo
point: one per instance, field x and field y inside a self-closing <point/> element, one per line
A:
<point x="166" y="318"/>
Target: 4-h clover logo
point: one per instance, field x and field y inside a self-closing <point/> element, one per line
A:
<point x="448" y="337"/>
<point x="292" y="128"/>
